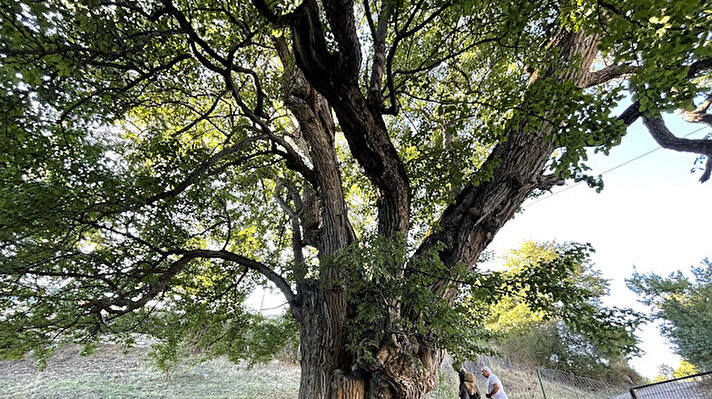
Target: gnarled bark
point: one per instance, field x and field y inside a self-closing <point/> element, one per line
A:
<point x="406" y="364"/>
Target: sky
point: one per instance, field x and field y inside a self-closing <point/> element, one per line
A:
<point x="651" y="217"/>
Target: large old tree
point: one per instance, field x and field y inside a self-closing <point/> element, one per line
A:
<point x="161" y="158"/>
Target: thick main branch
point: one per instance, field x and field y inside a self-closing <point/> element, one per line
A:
<point x="363" y="126"/>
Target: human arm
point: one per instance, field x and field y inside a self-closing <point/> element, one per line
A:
<point x="495" y="389"/>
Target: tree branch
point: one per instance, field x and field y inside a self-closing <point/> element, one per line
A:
<point x="607" y="74"/>
<point x="379" y="55"/>
<point x="340" y="14"/>
<point x="145" y="76"/>
<point x="204" y="168"/>
<point x="665" y="138"/>
<point x="632" y="113"/>
<point x="122" y="304"/>
<point x="547" y="182"/>
<point x="251" y="264"/>
<point x="280" y="20"/>
<point x="699" y="66"/>
<point x="700" y="114"/>
<point x="126" y="305"/>
<point x="311" y="52"/>
<point x="363" y="126"/>
<point x="225" y="61"/>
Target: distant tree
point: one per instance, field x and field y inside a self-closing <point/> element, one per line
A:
<point x="161" y="158"/>
<point x="544" y="338"/>
<point x="684" y="369"/>
<point x="665" y="372"/>
<point x="684" y="305"/>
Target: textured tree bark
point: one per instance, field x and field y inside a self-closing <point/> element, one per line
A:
<point x="333" y="75"/>
<point x="321" y="343"/>
<point x="406" y="368"/>
<point x="470" y="224"/>
<point x="406" y="365"/>
<point x="329" y="368"/>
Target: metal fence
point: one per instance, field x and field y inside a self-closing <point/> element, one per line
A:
<point x="523" y="382"/>
<point x="698" y="386"/>
<point x="557" y="384"/>
<point x="540" y="383"/>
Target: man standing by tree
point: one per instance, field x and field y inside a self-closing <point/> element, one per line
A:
<point x="495" y="388"/>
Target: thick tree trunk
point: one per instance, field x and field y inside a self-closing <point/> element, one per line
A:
<point x="470" y="224"/>
<point x="406" y="367"/>
<point x="322" y="344"/>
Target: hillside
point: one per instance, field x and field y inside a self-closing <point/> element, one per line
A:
<point x="113" y="373"/>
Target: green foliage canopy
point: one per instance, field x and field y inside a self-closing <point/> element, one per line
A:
<point x="155" y="166"/>
<point x="545" y="338"/>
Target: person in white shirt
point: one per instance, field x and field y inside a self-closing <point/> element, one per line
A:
<point x="495" y="388"/>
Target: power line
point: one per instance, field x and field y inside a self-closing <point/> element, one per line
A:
<point x="609" y="170"/>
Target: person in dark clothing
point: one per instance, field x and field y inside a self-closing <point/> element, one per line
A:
<point x="462" y="390"/>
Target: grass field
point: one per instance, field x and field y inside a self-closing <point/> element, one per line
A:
<point x="113" y="374"/>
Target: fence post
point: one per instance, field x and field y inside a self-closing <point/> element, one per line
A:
<point x="541" y="384"/>
<point x="633" y="394"/>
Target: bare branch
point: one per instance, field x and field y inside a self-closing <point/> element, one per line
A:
<point x="665" y="138"/>
<point x="201" y="115"/>
<point x="251" y="264"/>
<point x="705" y="104"/>
<point x="400" y="35"/>
<point x="547" y="182"/>
<point x="708" y="170"/>
<point x="282" y="203"/>
<point x="700" y="114"/>
<point x="192" y="34"/>
<point x="199" y="45"/>
<point x="424" y="23"/>
<point x="123" y="304"/>
<point x="297" y="243"/>
<point x="379" y="55"/>
<point x="607" y="74"/>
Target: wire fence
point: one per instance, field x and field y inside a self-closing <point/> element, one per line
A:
<point x="562" y="384"/>
<point x="521" y="382"/>
<point x="698" y="386"/>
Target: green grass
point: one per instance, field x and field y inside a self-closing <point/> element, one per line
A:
<point x="111" y="374"/>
